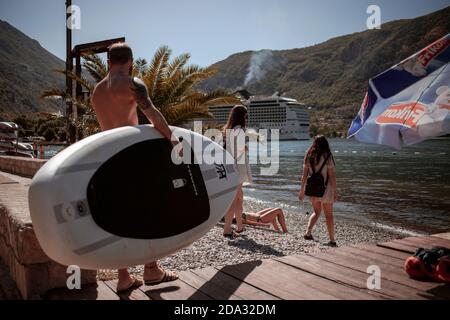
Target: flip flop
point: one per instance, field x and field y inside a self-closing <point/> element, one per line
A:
<point x="310" y="237"/>
<point x="167" y="277"/>
<point x="331" y="244"/>
<point x="233" y="235"/>
<point x="240" y="231"/>
<point x="135" y="284"/>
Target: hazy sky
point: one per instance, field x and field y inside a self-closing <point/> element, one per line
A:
<point x="209" y="30"/>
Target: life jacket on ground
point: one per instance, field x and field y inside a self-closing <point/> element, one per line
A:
<point x="431" y="263"/>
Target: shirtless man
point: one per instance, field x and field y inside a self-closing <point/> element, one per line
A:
<point x="114" y="100"/>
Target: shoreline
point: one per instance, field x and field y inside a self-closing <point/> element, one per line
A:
<point x="258" y="243"/>
<point x="213" y="250"/>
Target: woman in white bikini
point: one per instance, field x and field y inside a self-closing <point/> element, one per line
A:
<point x="319" y="156"/>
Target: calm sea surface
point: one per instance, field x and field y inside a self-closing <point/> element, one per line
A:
<point x="406" y="189"/>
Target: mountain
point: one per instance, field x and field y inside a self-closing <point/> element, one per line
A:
<point x="331" y="77"/>
<point x="25" y="71"/>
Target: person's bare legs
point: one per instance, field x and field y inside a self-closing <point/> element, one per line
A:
<point x="230" y="214"/>
<point x="275" y="225"/>
<point x="229" y="219"/>
<point x="281" y="221"/>
<point x="126" y="281"/>
<point x="153" y="272"/>
<point x="238" y="209"/>
<point x="328" y="210"/>
<point x="317" y="206"/>
<point x="272" y="215"/>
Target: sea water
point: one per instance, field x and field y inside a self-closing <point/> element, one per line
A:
<point x="407" y="189"/>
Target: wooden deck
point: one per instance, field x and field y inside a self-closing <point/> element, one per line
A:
<point x="339" y="273"/>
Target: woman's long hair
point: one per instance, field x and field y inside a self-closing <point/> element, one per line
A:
<point x="237" y="117"/>
<point x="319" y="148"/>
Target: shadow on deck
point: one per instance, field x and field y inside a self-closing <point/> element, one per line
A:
<point x="339" y="273"/>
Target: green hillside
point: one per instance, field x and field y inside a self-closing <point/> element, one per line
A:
<point x="332" y="76"/>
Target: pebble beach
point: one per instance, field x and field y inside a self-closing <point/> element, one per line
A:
<point x="214" y="250"/>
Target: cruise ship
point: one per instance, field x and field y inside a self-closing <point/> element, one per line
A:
<point x="276" y="112"/>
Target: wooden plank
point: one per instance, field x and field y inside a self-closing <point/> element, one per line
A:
<point x="212" y="290"/>
<point x="289" y="283"/>
<point x="132" y="294"/>
<point x="425" y="242"/>
<point x="418" y="289"/>
<point x="352" y="277"/>
<point x="445" y="235"/>
<point x="361" y="264"/>
<point x="6" y="180"/>
<point x="174" y="290"/>
<point x="336" y="273"/>
<point x="372" y="256"/>
<point x="98" y="291"/>
<point x="384" y="251"/>
<point x="8" y="288"/>
<point x="105" y="292"/>
<point x="88" y="293"/>
<point x="411" y="244"/>
<point x="232" y="285"/>
<point x="397" y="246"/>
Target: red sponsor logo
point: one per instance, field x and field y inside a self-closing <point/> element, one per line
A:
<point x="428" y="54"/>
<point x="364" y="106"/>
<point x="406" y="113"/>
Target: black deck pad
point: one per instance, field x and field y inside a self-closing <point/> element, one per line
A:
<point x="132" y="194"/>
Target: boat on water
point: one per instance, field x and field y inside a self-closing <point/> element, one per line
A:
<point x="287" y="115"/>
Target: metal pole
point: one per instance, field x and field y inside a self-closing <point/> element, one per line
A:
<point x="78" y="89"/>
<point x="69" y="68"/>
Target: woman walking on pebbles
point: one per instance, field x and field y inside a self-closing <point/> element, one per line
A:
<point x="319" y="158"/>
<point x="234" y="129"/>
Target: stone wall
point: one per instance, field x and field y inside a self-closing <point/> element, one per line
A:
<point x="32" y="270"/>
<point x="25" y="167"/>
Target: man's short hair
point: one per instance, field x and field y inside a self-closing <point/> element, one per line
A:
<point x="119" y="53"/>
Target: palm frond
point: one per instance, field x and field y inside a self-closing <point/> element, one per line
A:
<point x="95" y="66"/>
<point x="179" y="114"/>
<point x="139" y="67"/>
<point x="157" y="69"/>
<point x="216" y="97"/>
<point x="79" y="79"/>
<point x="53" y="93"/>
<point x="184" y="81"/>
<point x="171" y="85"/>
<point x="177" y="64"/>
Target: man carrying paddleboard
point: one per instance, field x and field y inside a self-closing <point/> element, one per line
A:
<point x="115" y="100"/>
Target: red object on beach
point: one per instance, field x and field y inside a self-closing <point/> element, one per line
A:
<point x="443" y="269"/>
<point x="416" y="268"/>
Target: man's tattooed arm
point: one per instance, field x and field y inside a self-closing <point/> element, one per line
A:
<point x="145" y="104"/>
<point x="141" y="94"/>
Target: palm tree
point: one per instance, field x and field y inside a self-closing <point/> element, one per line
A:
<point x="171" y="86"/>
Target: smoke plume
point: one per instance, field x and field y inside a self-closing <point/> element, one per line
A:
<point x="260" y="63"/>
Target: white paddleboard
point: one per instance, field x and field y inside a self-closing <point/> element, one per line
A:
<point x="116" y="199"/>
